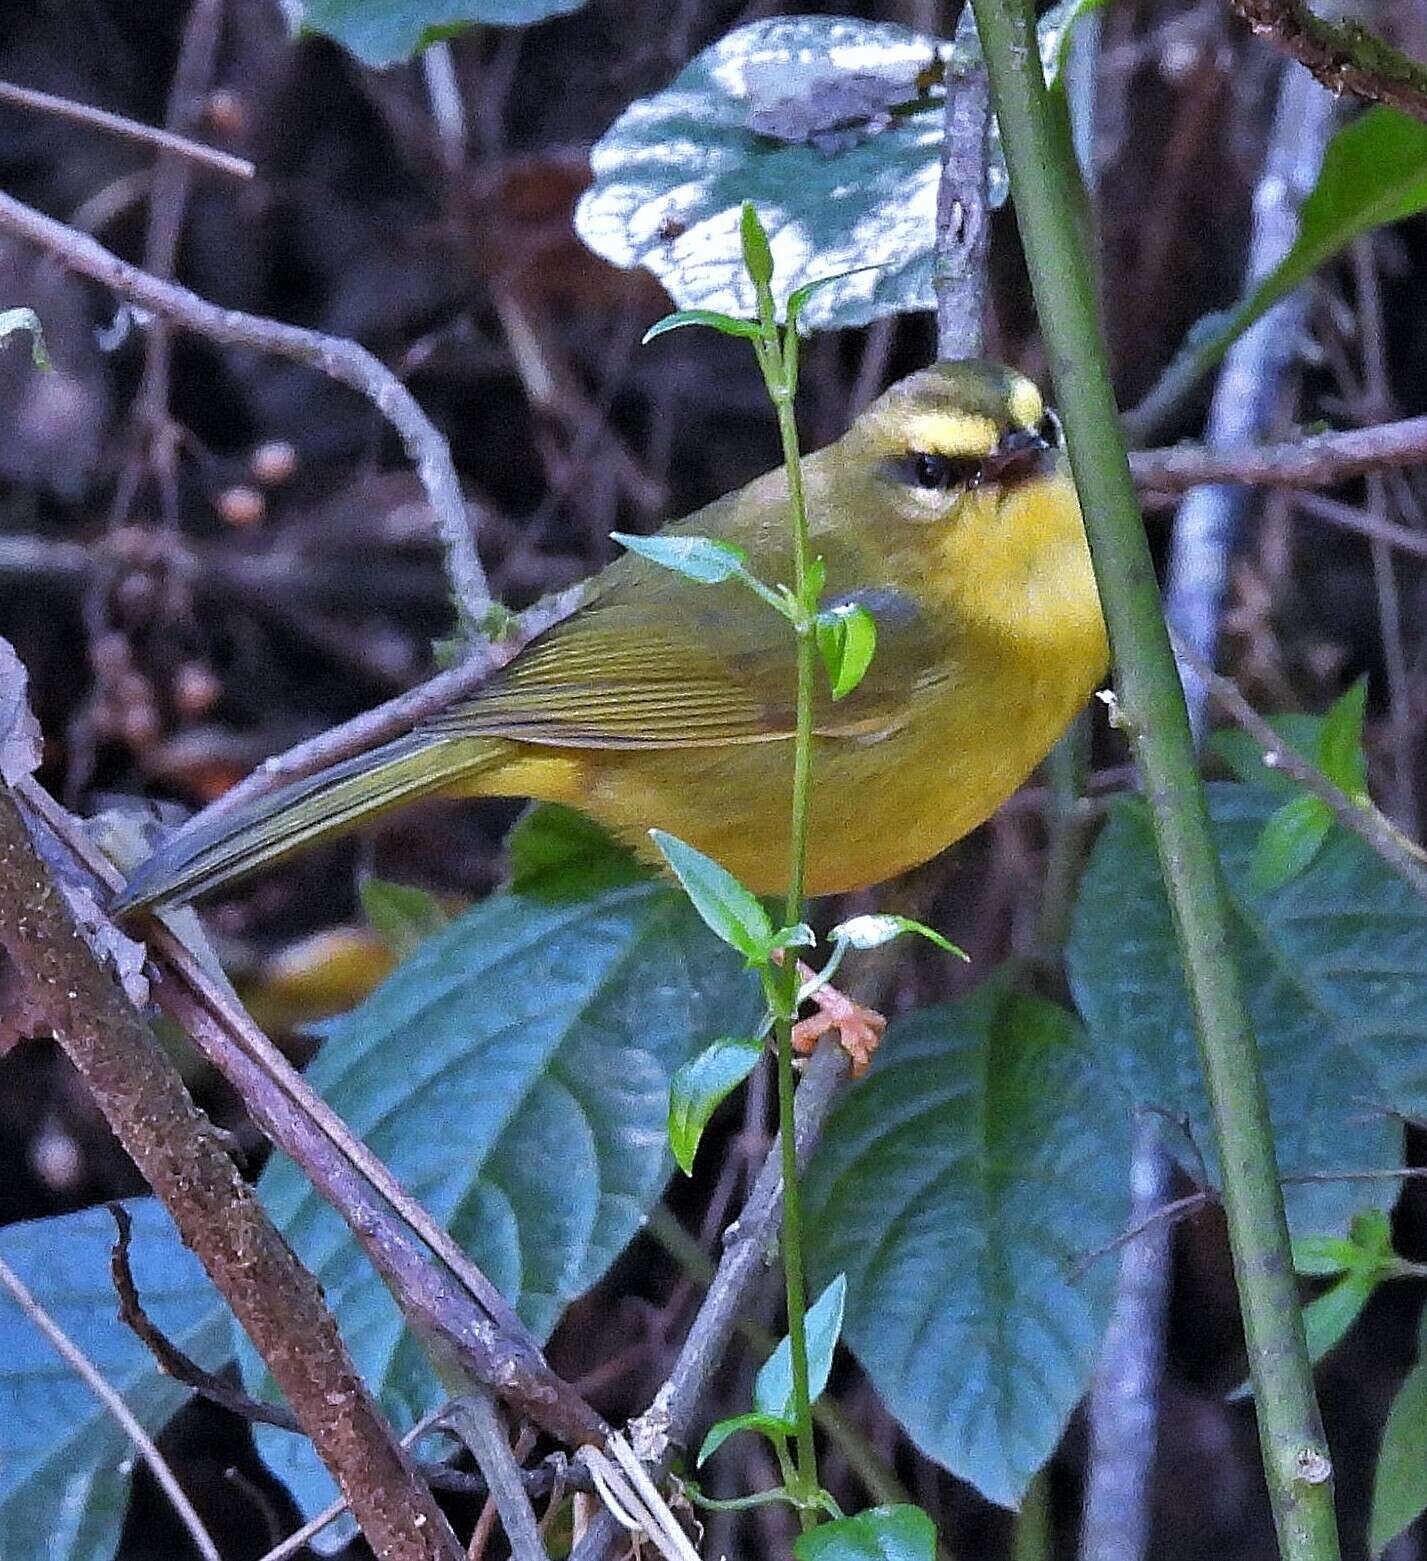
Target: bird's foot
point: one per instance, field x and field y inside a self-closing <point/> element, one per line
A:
<point x="859" y="1028"/>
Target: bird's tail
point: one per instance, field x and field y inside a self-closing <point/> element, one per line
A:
<point x="202" y="857"/>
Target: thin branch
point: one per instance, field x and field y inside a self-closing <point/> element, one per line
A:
<point x="1318" y="461"/>
<point x="132" y="129"/>
<point x="344" y="361"/>
<point x="475" y="1420"/>
<point x="1363" y="819"/>
<point x="279" y="1304"/>
<point x="963" y="221"/>
<point x="1344" y="55"/>
<point x="93" y="1379"/>
<point x="452" y="1299"/>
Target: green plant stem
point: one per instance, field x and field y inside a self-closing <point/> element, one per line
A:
<point x="1296" y="1464"/>
<point x="780" y="371"/>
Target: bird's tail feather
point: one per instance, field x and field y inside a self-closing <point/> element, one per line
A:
<point x="198" y="859"/>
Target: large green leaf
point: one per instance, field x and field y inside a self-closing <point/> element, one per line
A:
<point x="1374" y="172"/>
<point x="386" y="32"/>
<point x="65" y="1464"/>
<point x="831" y="128"/>
<point x="1335" y="967"/>
<point x="810" y="118"/>
<point x="1399" y="1494"/>
<point x="960" y="1186"/>
<point x="514" y="1073"/>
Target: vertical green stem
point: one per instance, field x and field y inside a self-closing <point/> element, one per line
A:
<point x="1295" y="1456"/>
<point x="781" y="388"/>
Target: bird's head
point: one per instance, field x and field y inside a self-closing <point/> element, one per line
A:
<point x="961" y="469"/>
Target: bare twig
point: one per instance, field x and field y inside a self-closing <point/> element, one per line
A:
<point x="475" y="1420"/>
<point x="1364" y="522"/>
<point x="1318" y="461"/>
<point x="1364" y="820"/>
<point x="182" y="1157"/>
<point x="1344" y="55"/>
<point x="345" y="361"/>
<point x="963" y="225"/>
<point x="172" y="1361"/>
<point x="93" y="1379"/>
<point x="118" y="124"/>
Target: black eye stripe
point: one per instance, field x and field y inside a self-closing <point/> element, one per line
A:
<point x="923" y="469"/>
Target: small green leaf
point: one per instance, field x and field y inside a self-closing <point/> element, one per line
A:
<point x="698" y="1089"/>
<point x="1328" y="1317"/>
<point x="773" y="1387"/>
<point x="871" y="932"/>
<point x="401" y="915"/>
<point x="559" y="855"/>
<point x="719" y="1433"/>
<point x="1291" y="839"/>
<point x="729" y="911"/>
<point x="704" y="559"/>
<point x="1400" y="1481"/>
<point x="714" y="319"/>
<point x="799" y="936"/>
<point x="1318" y="1257"/>
<point x="901" y="1533"/>
<point x="798" y="298"/>
<point x="757" y="256"/>
<point x="14" y="320"/>
<point x="1340" y="742"/>
<point x="847" y="638"/>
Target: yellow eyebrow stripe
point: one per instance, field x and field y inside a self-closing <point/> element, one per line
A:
<point x="952" y="433"/>
<point x="1025" y="404"/>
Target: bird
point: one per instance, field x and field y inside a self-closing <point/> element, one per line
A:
<point x="947" y="511"/>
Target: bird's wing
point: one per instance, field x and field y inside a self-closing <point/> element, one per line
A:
<point x="691" y="667"/>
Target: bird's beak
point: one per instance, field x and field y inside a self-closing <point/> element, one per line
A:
<point x="1022" y="453"/>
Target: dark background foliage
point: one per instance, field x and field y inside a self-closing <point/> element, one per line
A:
<point x="286" y="576"/>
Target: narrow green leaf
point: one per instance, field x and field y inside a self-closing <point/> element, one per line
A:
<point x="872" y="931"/>
<point x="1340" y="742"/>
<point x="901" y="1533"/>
<point x="714" y="319"/>
<point x="698" y="1089"/>
<point x="1318" y="1257"/>
<point x="1328" y="1317"/>
<point x="400" y="914"/>
<point x="704" y="559"/>
<point x="1291" y="839"/>
<point x="15" y="320"/>
<point x="754" y="1420"/>
<point x="1399" y="1493"/>
<point x="798" y="298"/>
<point x="757" y="256"/>
<point x="773" y="1387"/>
<point x="729" y="911"/>
<point x="799" y="936"/>
<point x="847" y="638"/>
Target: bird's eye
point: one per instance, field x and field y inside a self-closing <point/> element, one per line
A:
<point x="945" y="471"/>
<point x="1049" y="429"/>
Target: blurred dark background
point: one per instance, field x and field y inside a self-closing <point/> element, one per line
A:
<point x="206" y="557"/>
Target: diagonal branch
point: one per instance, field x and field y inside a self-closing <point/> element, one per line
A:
<point x="277" y="1301"/>
<point x="1344" y="55"/>
<point x="345" y="361"/>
